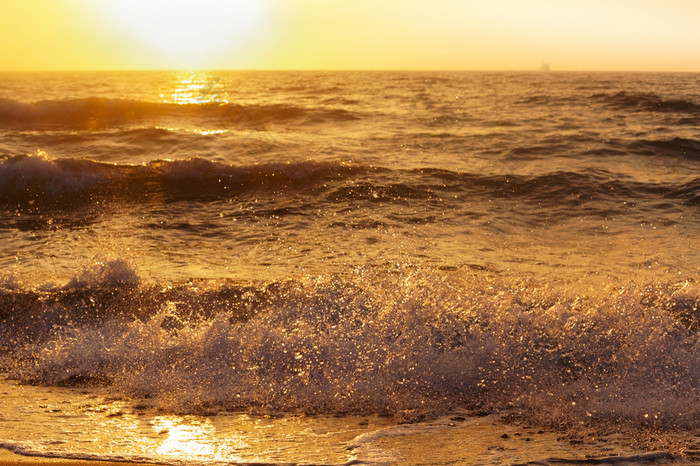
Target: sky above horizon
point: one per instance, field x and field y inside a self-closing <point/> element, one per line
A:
<point x="608" y="35"/>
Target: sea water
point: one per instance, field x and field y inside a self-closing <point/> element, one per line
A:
<point x="333" y="267"/>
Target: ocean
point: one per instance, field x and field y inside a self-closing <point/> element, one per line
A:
<point x="350" y="267"/>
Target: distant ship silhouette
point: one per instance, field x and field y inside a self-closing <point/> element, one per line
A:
<point x="545" y="67"/>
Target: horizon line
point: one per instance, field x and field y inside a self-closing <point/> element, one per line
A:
<point x="336" y="70"/>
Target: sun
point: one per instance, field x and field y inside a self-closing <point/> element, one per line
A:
<point x="187" y="33"/>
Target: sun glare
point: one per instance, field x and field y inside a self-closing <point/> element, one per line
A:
<point x="188" y="32"/>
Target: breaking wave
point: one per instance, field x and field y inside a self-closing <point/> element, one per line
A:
<point x="410" y="342"/>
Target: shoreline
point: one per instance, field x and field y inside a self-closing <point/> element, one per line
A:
<point x="10" y="458"/>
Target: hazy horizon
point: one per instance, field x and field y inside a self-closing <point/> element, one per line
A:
<point x="441" y="35"/>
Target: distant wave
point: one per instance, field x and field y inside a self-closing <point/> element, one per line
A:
<point x="671" y="148"/>
<point x="624" y="100"/>
<point x="96" y="113"/>
<point x="410" y="342"/>
<point x="647" y="101"/>
<point x="674" y="147"/>
<point x="37" y="179"/>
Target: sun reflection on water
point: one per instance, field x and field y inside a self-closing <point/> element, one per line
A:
<point x="196" y="88"/>
<point x="193" y="438"/>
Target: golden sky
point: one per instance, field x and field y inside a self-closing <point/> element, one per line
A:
<point x="625" y="35"/>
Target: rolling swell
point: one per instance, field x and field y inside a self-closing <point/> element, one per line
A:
<point x="96" y="113"/>
<point x="413" y="342"/>
<point x="39" y="180"/>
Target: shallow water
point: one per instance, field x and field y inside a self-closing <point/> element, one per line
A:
<point x="82" y="424"/>
<point x="410" y="245"/>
